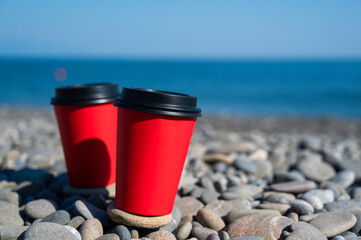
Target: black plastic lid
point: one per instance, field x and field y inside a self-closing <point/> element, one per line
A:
<point x="159" y="102"/>
<point x="93" y="93"/>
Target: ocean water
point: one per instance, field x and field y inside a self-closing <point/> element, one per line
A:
<point x="301" y="88"/>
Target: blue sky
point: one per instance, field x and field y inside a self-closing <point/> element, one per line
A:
<point x="181" y="29"/>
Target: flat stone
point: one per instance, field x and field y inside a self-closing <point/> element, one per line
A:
<point x="122" y="232"/>
<point x="11" y="231"/>
<point x="305" y="231"/>
<point x="213" y="236"/>
<point x="129" y="219"/>
<point x="73" y="231"/>
<point x="236" y="214"/>
<point x="246" y="190"/>
<point x="332" y="224"/>
<point x="91" y="229"/>
<point x="188" y="205"/>
<point x="176" y="218"/>
<point x="47" y="230"/>
<point x="307" y="218"/>
<point x="277" y="197"/>
<point x="108" y="191"/>
<point x="202" y="233"/>
<point x="344" y="178"/>
<point x="222" y="208"/>
<point x="75" y="222"/>
<point x="282" y="208"/>
<point x="183" y="231"/>
<point x="301" y="207"/>
<point x="248" y="238"/>
<point x="325" y="195"/>
<point x="10" y="214"/>
<point x="210" y="219"/>
<point x="161" y="235"/>
<point x="342" y="205"/>
<point x="209" y="196"/>
<point x="268" y="227"/>
<point x="110" y="236"/>
<point x="293" y="187"/>
<point x="217" y="157"/>
<point x="40" y="208"/>
<point x="316" y="170"/>
<point x="61" y="217"/>
<point x="245" y="165"/>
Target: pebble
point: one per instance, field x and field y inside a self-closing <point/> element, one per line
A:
<point x="11" y="231"/>
<point x="184" y="231"/>
<point x="209" y="196"/>
<point x="161" y="235"/>
<point x="10" y="197"/>
<point x="222" y="208"/>
<point x="247" y="238"/>
<point x="276" y="197"/>
<point x="88" y="211"/>
<point x="259" y="154"/>
<point x="61" y="217"/>
<point x="332" y="224"/>
<point x="316" y="170"/>
<point x="338" y="237"/>
<point x="75" y="222"/>
<point x="210" y="219"/>
<point x="348" y="235"/>
<point x="188" y="205"/>
<point x="73" y="231"/>
<point x="282" y="208"/>
<point x="10" y="214"/>
<point x="245" y="165"/>
<point x="263" y="168"/>
<point x="293" y="187"/>
<point x="110" y="236"/>
<point x="91" y="229"/>
<point x="202" y="233"/>
<point x="40" y="208"/>
<point x="176" y="218"/>
<point x="235" y="214"/>
<point x="302" y="230"/>
<point x="217" y="157"/>
<point x="213" y="236"/>
<point x="357" y="227"/>
<point x="47" y="230"/>
<point x="342" y="205"/>
<point x="352" y="165"/>
<point x="344" y="178"/>
<point x="325" y="195"/>
<point x="246" y="190"/>
<point x="122" y="232"/>
<point x="268" y="227"/>
<point x="301" y="207"/>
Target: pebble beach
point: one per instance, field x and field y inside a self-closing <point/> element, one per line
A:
<point x="245" y="178"/>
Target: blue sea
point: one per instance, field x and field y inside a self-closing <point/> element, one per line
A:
<point x="297" y="88"/>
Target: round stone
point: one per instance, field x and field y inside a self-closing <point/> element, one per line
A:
<point x="73" y="231"/>
<point x="122" y="232"/>
<point x="61" y="217"/>
<point x="110" y="236"/>
<point x="217" y="157"/>
<point x="47" y="230"/>
<point x="316" y="170"/>
<point x="10" y="214"/>
<point x="344" y="178"/>
<point x="133" y="220"/>
<point x="89" y="211"/>
<point x="282" y="208"/>
<point x="202" y="233"/>
<point x="236" y="214"/>
<point x="161" y="235"/>
<point x="188" y="205"/>
<point x="222" y="208"/>
<point x="334" y="223"/>
<point x="11" y="197"/>
<point x="278" y="197"/>
<point x="39" y="208"/>
<point x="293" y="187"/>
<point x="210" y="219"/>
<point x="176" y="218"/>
<point x="184" y="231"/>
<point x="301" y="207"/>
<point x="245" y="165"/>
<point x="302" y="230"/>
<point x="263" y="168"/>
<point x="213" y="236"/>
<point x="268" y="227"/>
<point x="91" y="229"/>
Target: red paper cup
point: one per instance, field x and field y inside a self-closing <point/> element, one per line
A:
<point x="87" y="123"/>
<point x="154" y="132"/>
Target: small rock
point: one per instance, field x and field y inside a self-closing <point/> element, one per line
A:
<point x="47" y="230"/>
<point x="352" y="165"/>
<point x="213" y="236"/>
<point x="10" y="214"/>
<point x="268" y="227"/>
<point x="301" y="207"/>
<point x="236" y="214"/>
<point x="88" y="211"/>
<point x="202" y="233"/>
<point x="357" y="226"/>
<point x="246" y="190"/>
<point x="277" y="197"/>
<point x="122" y="232"/>
<point x="245" y="165"/>
<point x="11" y="231"/>
<point x="222" y="208"/>
<point x="61" y="217"/>
<point x="91" y="229"/>
<point x="39" y="208"/>
<point x="302" y="230"/>
<point x="10" y="197"/>
<point x="263" y="168"/>
<point x="73" y="231"/>
<point x="161" y="235"/>
<point x="338" y="237"/>
<point x="210" y="219"/>
<point x="184" y="231"/>
<point x="209" y="196"/>
<point x="342" y="205"/>
<point x="333" y="223"/>
<point x="110" y="236"/>
<point x="176" y="218"/>
<point x="258" y="155"/>
<point x="75" y="222"/>
<point x="217" y="157"/>
<point x="293" y="187"/>
<point x="188" y="205"/>
<point x="316" y="170"/>
<point x="344" y="178"/>
<point x="223" y="235"/>
<point x="282" y="208"/>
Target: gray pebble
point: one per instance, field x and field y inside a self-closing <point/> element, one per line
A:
<point x="202" y="233"/>
<point x="183" y="231"/>
<point x="247" y="238"/>
<point x="45" y="231"/>
<point x="245" y="165"/>
<point x="221" y="185"/>
<point x="73" y="231"/>
<point x="357" y="226"/>
<point x="223" y="235"/>
<point x="348" y="235"/>
<point x="122" y="232"/>
<point x="9" y="214"/>
<point x="316" y="170"/>
<point x="356" y="192"/>
<point x="301" y="207"/>
<point x="8" y="196"/>
<point x="75" y="222"/>
<point x="213" y="236"/>
<point x="110" y="236"/>
<point x="176" y="218"/>
<point x="325" y="195"/>
<point x="61" y="217"/>
<point x="39" y="208"/>
<point x="344" y="178"/>
<point x="209" y="196"/>
<point x="11" y="231"/>
<point x="88" y="211"/>
<point x="338" y="237"/>
<point x="91" y="229"/>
